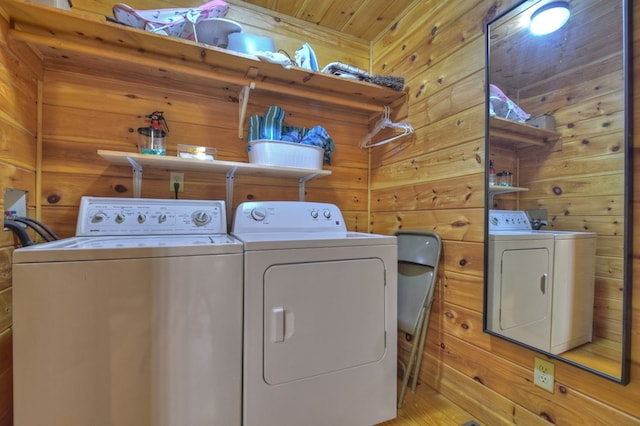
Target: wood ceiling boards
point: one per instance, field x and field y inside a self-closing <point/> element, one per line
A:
<point x="365" y="19"/>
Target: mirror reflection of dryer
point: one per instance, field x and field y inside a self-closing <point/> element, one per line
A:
<point x="540" y="284"/>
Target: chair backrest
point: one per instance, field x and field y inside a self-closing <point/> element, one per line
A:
<point x="418" y="257"/>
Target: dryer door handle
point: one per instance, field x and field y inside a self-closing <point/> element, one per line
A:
<point x="277" y="324"/>
<point x="543" y="282"/>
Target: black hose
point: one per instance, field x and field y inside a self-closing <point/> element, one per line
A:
<point x="32" y="226"/>
<point x="19" y="231"/>
<point x="41" y="225"/>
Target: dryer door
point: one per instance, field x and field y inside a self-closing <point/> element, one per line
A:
<point x="525" y="296"/>
<point x="322" y="317"/>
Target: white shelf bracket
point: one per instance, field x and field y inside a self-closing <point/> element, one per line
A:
<point x="301" y="184"/>
<point x="137" y="177"/>
<point x="229" y="201"/>
<point x="243" y="100"/>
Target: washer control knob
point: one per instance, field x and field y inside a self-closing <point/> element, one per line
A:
<point x="258" y="214"/>
<point x="119" y="218"/>
<point x="98" y="217"/>
<point x="314" y="214"/>
<point x="201" y="218"/>
<point x="141" y="218"/>
<point x="327" y="214"/>
<point x="162" y="218"/>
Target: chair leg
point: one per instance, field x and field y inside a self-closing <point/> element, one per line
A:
<point x="410" y="362"/>
<point x="420" y="344"/>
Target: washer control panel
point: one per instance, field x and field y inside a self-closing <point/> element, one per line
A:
<point x="287" y="216"/>
<point x="141" y="216"/>
<point x="508" y="220"/>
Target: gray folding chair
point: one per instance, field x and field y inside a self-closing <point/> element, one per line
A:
<point x="418" y="257"/>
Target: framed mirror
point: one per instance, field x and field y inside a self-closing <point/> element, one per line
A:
<point x="558" y="187"/>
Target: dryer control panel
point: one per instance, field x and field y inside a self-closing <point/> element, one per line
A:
<point x="508" y="220"/>
<point x="287" y="216"/>
<point x="105" y="216"/>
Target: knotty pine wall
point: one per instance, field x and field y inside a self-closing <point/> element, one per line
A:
<point x="436" y="182"/>
<point x="53" y="121"/>
<point x="433" y="181"/>
<point x="582" y="184"/>
<point x="19" y="75"/>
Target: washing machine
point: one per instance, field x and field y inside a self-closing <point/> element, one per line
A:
<point x="320" y="317"/>
<point x="137" y="320"/>
<point x="540" y="284"/>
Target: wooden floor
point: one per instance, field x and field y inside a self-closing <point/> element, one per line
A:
<point x="428" y="407"/>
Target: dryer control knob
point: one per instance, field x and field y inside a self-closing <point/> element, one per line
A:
<point x="120" y="218"/>
<point x="327" y="214"/>
<point x="162" y="218"/>
<point x="258" y="214"/>
<point x="201" y="218"/>
<point x="141" y="218"/>
<point x="314" y="214"/>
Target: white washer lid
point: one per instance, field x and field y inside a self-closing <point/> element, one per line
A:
<point x="127" y="247"/>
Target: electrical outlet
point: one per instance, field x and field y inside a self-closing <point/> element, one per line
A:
<point x="176" y="177"/>
<point x="543" y="374"/>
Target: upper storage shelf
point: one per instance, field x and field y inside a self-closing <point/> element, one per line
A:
<point x="85" y="42"/>
<point x="521" y="134"/>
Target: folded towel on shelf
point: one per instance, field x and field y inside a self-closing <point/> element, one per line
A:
<point x="271" y="126"/>
<point x="319" y="137"/>
<point x="293" y="133"/>
<point x="255" y="121"/>
<point x="349" y="71"/>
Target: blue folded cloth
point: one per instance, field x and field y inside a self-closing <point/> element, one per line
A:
<point x="271" y="127"/>
<point x="293" y="133"/>
<point x="318" y="136"/>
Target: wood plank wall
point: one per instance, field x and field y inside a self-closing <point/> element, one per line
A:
<point x="588" y="172"/>
<point x="435" y="181"/>
<point x="83" y="113"/>
<point x="19" y="73"/>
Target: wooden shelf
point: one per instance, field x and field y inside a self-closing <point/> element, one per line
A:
<point x="497" y="189"/>
<point x="80" y="41"/>
<point x="230" y="168"/>
<point x="521" y="134"/>
<point x="165" y="162"/>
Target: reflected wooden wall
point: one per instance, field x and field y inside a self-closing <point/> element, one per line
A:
<point x="435" y="181"/>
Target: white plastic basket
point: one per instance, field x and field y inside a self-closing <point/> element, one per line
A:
<point x="288" y="154"/>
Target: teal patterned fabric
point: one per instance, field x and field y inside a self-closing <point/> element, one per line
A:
<point x="271" y="127"/>
<point x="255" y="121"/>
<point x="272" y="124"/>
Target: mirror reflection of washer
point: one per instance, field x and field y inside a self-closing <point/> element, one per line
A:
<point x="320" y="307"/>
<point x="540" y="284"/>
<point x="135" y="321"/>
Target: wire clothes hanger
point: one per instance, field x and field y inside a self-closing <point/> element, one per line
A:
<point x="384" y="123"/>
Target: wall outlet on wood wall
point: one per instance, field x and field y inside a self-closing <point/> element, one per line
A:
<point x="543" y="374"/>
<point x="176" y="178"/>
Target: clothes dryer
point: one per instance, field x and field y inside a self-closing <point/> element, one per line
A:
<point x="540" y="284"/>
<point x="135" y="321"/>
<point x="320" y="316"/>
